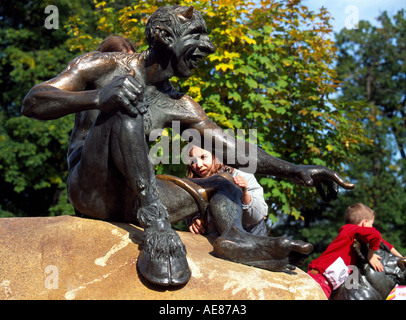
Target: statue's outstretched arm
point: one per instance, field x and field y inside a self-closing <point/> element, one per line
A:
<point x="241" y="154"/>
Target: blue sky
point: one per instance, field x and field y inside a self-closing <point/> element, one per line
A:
<point x="345" y="11"/>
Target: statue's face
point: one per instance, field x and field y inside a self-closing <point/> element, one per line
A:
<point x="192" y="46"/>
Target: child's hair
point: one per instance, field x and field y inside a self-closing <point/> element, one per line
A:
<point x="357" y="212"/>
<point x="116" y="44"/>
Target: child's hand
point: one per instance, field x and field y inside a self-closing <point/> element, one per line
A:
<point x="373" y="260"/>
<point x="242" y="183"/>
<point x="197" y="227"/>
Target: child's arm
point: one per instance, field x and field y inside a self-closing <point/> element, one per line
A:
<point x="254" y="205"/>
<point x="392" y="248"/>
<point x="373" y="260"/>
<point x="242" y="183"/>
<point x="395" y="252"/>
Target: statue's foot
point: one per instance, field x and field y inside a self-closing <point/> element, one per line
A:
<point x="268" y="253"/>
<point x="162" y="259"/>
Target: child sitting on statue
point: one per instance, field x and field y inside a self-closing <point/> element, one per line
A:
<point x="331" y="269"/>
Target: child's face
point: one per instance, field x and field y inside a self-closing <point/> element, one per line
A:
<point x="201" y="161"/>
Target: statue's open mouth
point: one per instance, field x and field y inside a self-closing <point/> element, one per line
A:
<point x="196" y="57"/>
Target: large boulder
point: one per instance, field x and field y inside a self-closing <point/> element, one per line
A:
<point x="69" y="258"/>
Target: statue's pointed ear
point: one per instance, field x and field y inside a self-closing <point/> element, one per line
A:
<point x="165" y="36"/>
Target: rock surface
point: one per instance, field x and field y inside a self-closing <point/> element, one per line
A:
<point x="74" y="258"/>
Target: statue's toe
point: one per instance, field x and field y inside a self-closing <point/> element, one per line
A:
<point x="156" y="272"/>
<point x="179" y="271"/>
<point x="271" y="253"/>
<point x="303" y="247"/>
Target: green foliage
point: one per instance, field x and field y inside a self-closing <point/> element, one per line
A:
<point x="272" y="71"/>
<point x="32" y="163"/>
<point x="378" y="56"/>
<point x="371" y="64"/>
<point x="32" y="153"/>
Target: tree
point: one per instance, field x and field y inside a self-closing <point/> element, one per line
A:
<point x="371" y="64"/>
<point x="32" y="153"/>
<point x="272" y="72"/>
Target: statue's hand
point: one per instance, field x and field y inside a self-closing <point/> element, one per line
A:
<point x="317" y="176"/>
<point x="125" y="93"/>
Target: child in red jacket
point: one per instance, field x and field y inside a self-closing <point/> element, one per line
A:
<point x="331" y="269"/>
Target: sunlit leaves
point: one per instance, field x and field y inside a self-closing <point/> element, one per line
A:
<point x="272" y="71"/>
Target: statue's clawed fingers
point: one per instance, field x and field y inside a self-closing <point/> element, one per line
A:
<point x="124" y="92"/>
<point x="320" y="176"/>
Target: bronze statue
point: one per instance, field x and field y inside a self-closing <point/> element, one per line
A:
<point x="369" y="284"/>
<point x="118" y="99"/>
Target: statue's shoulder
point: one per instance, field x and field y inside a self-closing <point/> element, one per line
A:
<point x="164" y="91"/>
<point x="94" y="59"/>
<point x="83" y="59"/>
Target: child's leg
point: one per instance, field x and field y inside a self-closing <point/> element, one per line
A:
<point x="322" y="281"/>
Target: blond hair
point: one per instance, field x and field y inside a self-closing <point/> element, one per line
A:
<point x="357" y="212"/>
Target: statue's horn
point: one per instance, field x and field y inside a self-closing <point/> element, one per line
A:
<point x="188" y="13"/>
